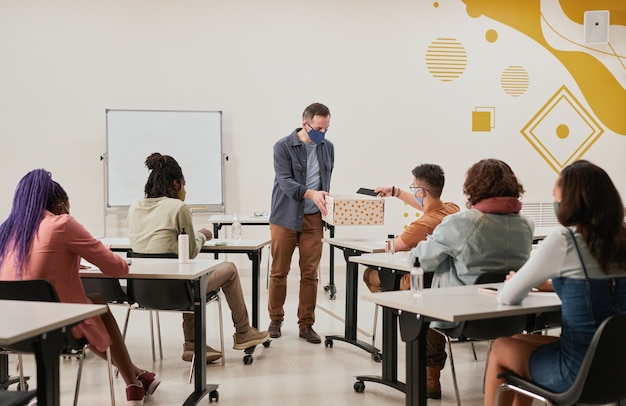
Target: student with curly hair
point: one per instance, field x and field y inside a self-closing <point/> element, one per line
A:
<point x="492" y="236"/>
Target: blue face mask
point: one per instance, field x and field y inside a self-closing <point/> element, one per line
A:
<point x="556" y="208"/>
<point x="316" y="136"/>
<point x="420" y="200"/>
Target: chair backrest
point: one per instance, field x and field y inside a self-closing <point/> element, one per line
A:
<point x="37" y="290"/>
<point x="603" y="371"/>
<point x="109" y="288"/>
<point x="490" y="329"/>
<point x="159" y="294"/>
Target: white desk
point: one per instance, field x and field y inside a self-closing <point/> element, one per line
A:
<point x="42" y="325"/>
<point x="253" y="248"/>
<point x="448" y="304"/>
<point x="196" y="271"/>
<point x="220" y="220"/>
<point x="353" y="247"/>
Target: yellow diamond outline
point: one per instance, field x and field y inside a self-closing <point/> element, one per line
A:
<point x="562" y="94"/>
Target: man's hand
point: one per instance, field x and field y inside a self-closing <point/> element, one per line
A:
<point x="319" y="198"/>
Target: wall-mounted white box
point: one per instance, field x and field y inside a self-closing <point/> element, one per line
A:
<point x="596" y="26"/>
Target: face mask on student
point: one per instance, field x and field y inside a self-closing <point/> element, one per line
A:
<point x="419" y="199"/>
<point x="556" y="208"/>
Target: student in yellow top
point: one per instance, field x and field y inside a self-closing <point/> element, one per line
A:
<point x="154" y="224"/>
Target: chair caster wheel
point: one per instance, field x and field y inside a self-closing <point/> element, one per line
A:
<point x="267" y="343"/>
<point x="328" y="343"/>
<point x="326" y="288"/>
<point x="377" y="357"/>
<point x="247" y="360"/>
<point x="359" y="386"/>
<point x="214" y="395"/>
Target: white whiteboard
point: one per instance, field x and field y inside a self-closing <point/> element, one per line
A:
<point x="193" y="138"/>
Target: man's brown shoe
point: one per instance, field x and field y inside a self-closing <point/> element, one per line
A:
<point x="310" y="335"/>
<point x="274" y="328"/>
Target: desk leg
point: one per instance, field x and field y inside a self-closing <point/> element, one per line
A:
<point x="331" y="288"/>
<point x="47" y="352"/>
<point x="199" y="363"/>
<point x="389" y="357"/>
<point x="216" y="232"/>
<point x="255" y="257"/>
<point x="413" y="329"/>
<point x="352" y="293"/>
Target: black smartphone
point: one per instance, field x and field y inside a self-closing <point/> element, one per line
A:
<point x="365" y="191"/>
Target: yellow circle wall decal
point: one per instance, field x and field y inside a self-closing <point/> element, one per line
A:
<point x="514" y="80"/>
<point x="562" y="131"/>
<point x="491" y="35"/>
<point x="446" y="59"/>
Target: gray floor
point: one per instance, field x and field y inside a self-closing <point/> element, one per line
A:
<point x="289" y="372"/>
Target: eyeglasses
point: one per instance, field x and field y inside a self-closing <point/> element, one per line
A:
<point x="414" y="189"/>
<point x="318" y="128"/>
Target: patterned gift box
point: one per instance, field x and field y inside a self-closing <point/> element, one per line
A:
<point x="354" y="210"/>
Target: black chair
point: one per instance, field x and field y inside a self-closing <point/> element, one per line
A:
<point x="42" y="290"/>
<point x="168" y="295"/>
<point x="482" y="330"/>
<point x="12" y="398"/>
<point x="600" y="379"/>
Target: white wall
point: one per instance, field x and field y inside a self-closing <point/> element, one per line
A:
<point x="64" y="62"/>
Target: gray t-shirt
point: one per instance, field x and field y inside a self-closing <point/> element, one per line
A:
<point x="313" y="179"/>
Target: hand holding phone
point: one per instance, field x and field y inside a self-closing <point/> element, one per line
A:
<point x="368" y="192"/>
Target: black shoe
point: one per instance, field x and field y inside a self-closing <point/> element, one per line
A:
<point x="310" y="335"/>
<point x="274" y="328"/>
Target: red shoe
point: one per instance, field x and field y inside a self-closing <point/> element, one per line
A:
<point x="149" y="381"/>
<point x="135" y="394"/>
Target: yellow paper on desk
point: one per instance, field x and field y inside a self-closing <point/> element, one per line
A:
<point x="354" y="210"/>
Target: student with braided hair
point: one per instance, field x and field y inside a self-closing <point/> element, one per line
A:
<point x="40" y="240"/>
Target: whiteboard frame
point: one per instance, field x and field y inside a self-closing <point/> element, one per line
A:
<point x="185" y="160"/>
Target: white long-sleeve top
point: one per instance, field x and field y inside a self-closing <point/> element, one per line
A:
<point x="555" y="257"/>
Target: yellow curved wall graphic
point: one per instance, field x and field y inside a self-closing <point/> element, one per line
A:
<point x="602" y="91"/>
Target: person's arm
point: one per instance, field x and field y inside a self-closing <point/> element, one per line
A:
<point x="283" y="169"/>
<point x="445" y="242"/>
<point x="81" y="242"/>
<point x="394" y="191"/>
<point x="544" y="264"/>
<point x="196" y="239"/>
<point x="284" y="173"/>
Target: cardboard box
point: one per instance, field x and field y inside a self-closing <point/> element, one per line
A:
<point x="354" y="210"/>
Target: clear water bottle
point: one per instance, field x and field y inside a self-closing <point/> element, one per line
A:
<point x="417" y="278"/>
<point x="183" y="247"/>
<point x="390" y="244"/>
<point x="236" y="228"/>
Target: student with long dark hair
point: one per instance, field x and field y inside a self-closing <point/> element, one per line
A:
<point x="40" y="240"/>
<point x="586" y="262"/>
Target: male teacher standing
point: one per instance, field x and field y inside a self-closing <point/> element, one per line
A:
<point x="303" y="164"/>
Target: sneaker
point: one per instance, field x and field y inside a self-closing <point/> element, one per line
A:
<point x="211" y="354"/>
<point x="135" y="394"/>
<point x="249" y="339"/>
<point x="149" y="381"/>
